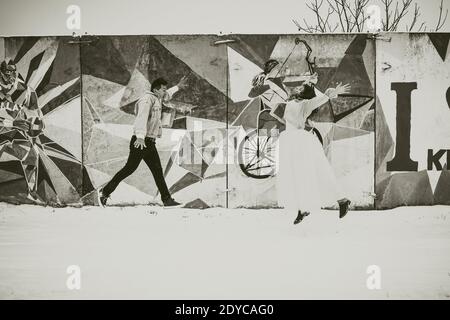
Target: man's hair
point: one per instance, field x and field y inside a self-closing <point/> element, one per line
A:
<point x="156" y="84"/>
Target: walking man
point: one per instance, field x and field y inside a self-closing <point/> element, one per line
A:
<point x="147" y="128"/>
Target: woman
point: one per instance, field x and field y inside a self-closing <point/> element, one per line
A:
<point x="305" y="180"/>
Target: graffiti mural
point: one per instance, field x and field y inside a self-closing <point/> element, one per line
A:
<point x="413" y="116"/>
<point x="116" y="72"/>
<point x="40" y="122"/>
<point x="67" y="111"/>
<point x="263" y="71"/>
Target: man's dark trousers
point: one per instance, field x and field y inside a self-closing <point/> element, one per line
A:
<point x="151" y="158"/>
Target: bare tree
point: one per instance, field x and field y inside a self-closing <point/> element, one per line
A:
<point x="350" y="16"/>
<point x="441" y="23"/>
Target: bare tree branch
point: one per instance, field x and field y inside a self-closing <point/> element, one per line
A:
<point x="361" y="5"/>
<point x="387" y="5"/>
<point x="439" y="24"/>
<point x="346" y="9"/>
<point x="326" y="23"/>
<point x="350" y="16"/>
<point x="358" y="10"/>
<point x="415" y="16"/>
<point x="307" y="28"/>
<point x="400" y="14"/>
<point x="338" y="10"/>
<point x="422" y="25"/>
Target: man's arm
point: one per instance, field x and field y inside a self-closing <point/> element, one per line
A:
<point x="182" y="84"/>
<point x="170" y="92"/>
<point x="143" y="111"/>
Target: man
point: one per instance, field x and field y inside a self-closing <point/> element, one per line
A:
<point x="147" y="128"/>
<point x="21" y="123"/>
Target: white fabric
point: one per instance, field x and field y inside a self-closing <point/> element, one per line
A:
<point x="305" y="179"/>
<point x="298" y="111"/>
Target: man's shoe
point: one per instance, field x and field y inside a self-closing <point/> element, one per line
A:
<point x="300" y="217"/>
<point x="343" y="207"/>
<point x="102" y="199"/>
<point x="170" y="203"/>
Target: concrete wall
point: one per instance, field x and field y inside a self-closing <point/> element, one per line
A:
<point x="346" y="124"/>
<point x="116" y="73"/>
<point x="87" y="94"/>
<point x="43" y="164"/>
<point x="413" y="120"/>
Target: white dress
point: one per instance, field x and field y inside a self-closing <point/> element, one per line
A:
<point x="305" y="179"/>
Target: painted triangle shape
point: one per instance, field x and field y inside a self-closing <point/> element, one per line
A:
<point x="440" y="43"/>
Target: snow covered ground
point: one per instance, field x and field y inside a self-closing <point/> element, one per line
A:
<point x="151" y="253"/>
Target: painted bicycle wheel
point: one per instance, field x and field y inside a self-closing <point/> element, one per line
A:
<point x="258" y="153"/>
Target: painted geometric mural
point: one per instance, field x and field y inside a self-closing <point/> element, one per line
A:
<point x="413" y="117"/>
<point x="344" y="125"/>
<point x="67" y="114"/>
<point x="40" y="122"/>
<point x="202" y="149"/>
<point x="116" y="72"/>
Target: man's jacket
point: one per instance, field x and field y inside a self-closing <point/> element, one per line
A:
<point x="148" y="114"/>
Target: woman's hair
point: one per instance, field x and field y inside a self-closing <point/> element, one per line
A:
<point x="305" y="91"/>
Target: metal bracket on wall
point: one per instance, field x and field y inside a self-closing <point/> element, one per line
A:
<point x="83" y="39"/>
<point x="377" y="36"/>
<point x="225" y="41"/>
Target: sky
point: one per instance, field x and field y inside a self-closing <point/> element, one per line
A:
<point x="119" y="17"/>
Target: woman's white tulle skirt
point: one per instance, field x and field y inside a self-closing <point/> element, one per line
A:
<point x="305" y="179"/>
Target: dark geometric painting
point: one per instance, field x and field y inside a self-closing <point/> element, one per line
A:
<point x="67" y="114"/>
<point x="413" y="120"/>
<point x="116" y="72"/>
<point x="40" y="122"/>
<point x="345" y="125"/>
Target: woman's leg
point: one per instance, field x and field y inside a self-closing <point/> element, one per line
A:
<point x="331" y="192"/>
<point x="297" y="185"/>
<point x="300" y="216"/>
